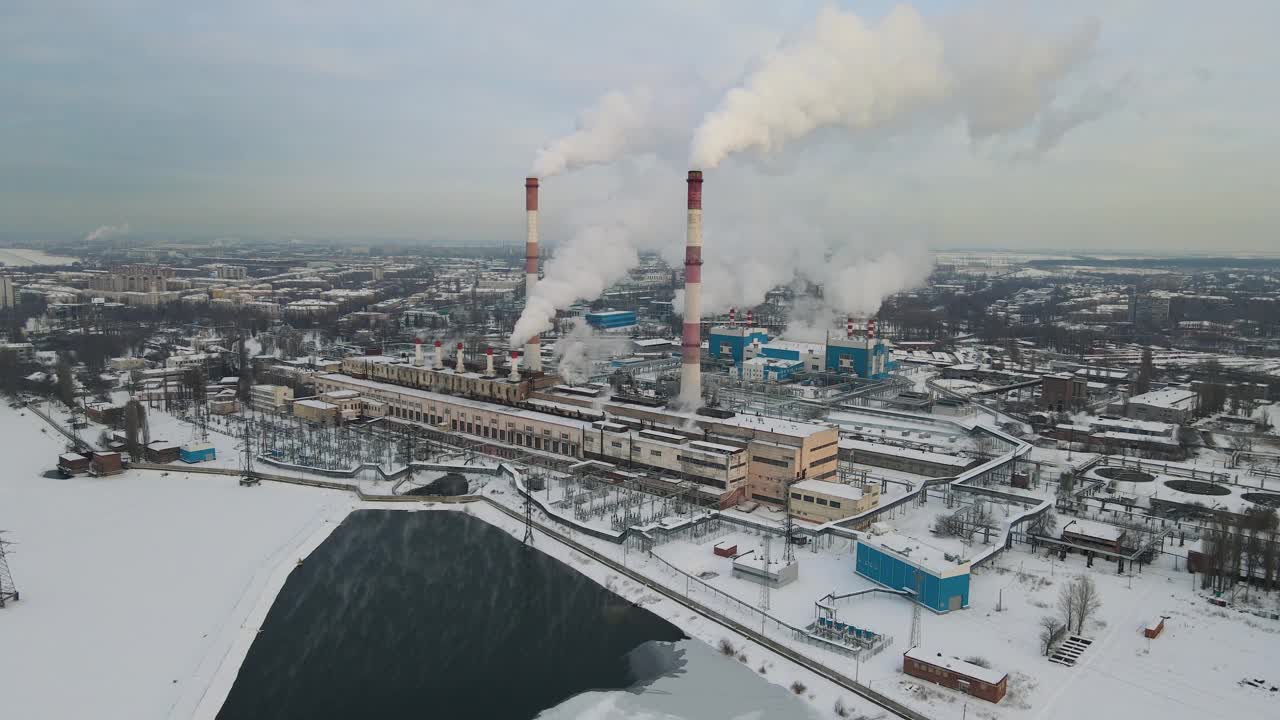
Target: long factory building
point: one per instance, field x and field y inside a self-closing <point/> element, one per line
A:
<point x="743" y="457"/>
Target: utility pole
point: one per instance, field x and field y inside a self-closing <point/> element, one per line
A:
<point x="764" y="578"/>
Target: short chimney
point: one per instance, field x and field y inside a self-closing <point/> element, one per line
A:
<point x="417" y="352"/>
<point x="488" y="362"/>
<point x="515" y="366"/>
<point x="439" y="356"/>
<point x="461" y="366"/>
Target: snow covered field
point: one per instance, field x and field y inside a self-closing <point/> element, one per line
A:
<point x="136" y="587"/>
<point x="21" y="257"/>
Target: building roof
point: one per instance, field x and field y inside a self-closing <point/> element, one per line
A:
<point x="955" y="665"/>
<point x="832" y="489"/>
<point x="777" y="426"/>
<point x="904" y="452"/>
<point x="315" y="404"/>
<point x="916" y="553"/>
<point x="1170" y="397"/>
<point x="1093" y="529"/>
<point x="795" y="346"/>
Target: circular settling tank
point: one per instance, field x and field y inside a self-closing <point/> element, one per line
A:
<point x="1124" y="474"/>
<point x="1197" y="487"/>
<point x="1271" y="500"/>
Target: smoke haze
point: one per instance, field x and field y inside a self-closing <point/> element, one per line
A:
<point x="106" y="232"/>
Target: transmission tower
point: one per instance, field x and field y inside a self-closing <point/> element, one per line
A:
<point x="916" y="618"/>
<point x="788" y="527"/>
<point x="764" y="579"/>
<point x="528" y="513"/>
<point x="8" y="591"/>
<point x="246" y="449"/>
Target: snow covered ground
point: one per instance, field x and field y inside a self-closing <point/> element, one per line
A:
<point x="136" y="587"/>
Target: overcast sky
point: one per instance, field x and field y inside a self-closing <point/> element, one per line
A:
<point x="282" y="118"/>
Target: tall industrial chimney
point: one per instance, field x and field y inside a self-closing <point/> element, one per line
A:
<point x="690" y="368"/>
<point x="733" y="316"/>
<point x="417" y="352"/>
<point x="439" y="365"/>
<point x="848" y="328"/>
<point x="488" y="362"/>
<point x="461" y="366"/>
<point x="751" y="319"/>
<point x="532" y="348"/>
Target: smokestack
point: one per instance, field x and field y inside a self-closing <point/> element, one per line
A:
<point x="417" y="352"/>
<point x="460" y="367"/>
<point x="439" y="356"/>
<point x="751" y="319"/>
<point x="871" y="328"/>
<point x="488" y="362"/>
<point x="733" y="316"/>
<point x="515" y="367"/>
<point x="532" y="348"/>
<point x="848" y="328"/>
<point x="690" y="369"/>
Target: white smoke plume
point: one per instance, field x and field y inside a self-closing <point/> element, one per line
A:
<point x="596" y="257"/>
<point x="106" y="232"/>
<point x="847" y="72"/>
<point x="619" y="124"/>
<point x="580" y="348"/>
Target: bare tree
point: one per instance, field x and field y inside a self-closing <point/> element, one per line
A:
<point x="1067" y="605"/>
<point x="1049" y="628"/>
<point x="1081" y="597"/>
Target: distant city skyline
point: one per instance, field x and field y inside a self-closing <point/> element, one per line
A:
<point x="405" y="120"/>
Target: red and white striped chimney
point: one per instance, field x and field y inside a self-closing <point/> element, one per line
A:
<point x="461" y="366"/>
<point x="871" y="328"/>
<point x="848" y="328"/>
<point x="488" y="362"/>
<point x="532" y="348"/>
<point x="690" y="367"/>
<point x="751" y="319"/>
<point x="733" y="316"/>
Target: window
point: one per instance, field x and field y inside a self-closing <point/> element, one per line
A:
<point x="795" y="496"/>
<point x="835" y="504"/>
<point x="655" y="453"/>
<point x="616" y="444"/>
<point x="808" y="498"/>
<point x="821" y="460"/>
<point x="564" y="436"/>
<point x="528" y="428"/>
<point x="822" y="501"/>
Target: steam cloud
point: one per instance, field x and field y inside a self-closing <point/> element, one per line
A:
<point x="105" y="232"/>
<point x="849" y="73"/>
<point x="620" y="123"/>
<point x="578" y="349"/>
<point x="596" y="257"/>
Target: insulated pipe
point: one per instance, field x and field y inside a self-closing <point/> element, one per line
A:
<point x="532" y="348"/>
<point x="439" y="356"/>
<point x="691" y="341"/>
<point x="488" y="362"/>
<point x="460" y="367"/>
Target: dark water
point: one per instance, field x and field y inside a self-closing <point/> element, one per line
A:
<point x="438" y="615"/>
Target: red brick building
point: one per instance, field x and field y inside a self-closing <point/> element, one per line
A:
<point x="957" y="674"/>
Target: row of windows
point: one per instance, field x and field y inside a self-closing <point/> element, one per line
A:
<point x="771" y="461"/>
<point x="819" y="461"/>
<point x="824" y="447"/>
<point x="821" y="501"/>
<point x="700" y="462"/>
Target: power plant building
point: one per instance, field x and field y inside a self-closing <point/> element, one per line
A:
<point x="864" y="358"/>
<point x="612" y="320"/>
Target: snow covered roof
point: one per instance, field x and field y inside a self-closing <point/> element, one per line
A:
<point x="1167" y="398"/>
<point x="912" y="453"/>
<point x="315" y="404"/>
<point x="918" y="553"/>
<point x="840" y="490"/>
<point x="955" y="665"/>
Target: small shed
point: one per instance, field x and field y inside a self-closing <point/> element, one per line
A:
<point x="957" y="674"/>
<point x="197" y="452"/>
<point x="106" y="463"/>
<point x="73" y="463"/>
<point x="162" y="451"/>
<point x="1153" y="629"/>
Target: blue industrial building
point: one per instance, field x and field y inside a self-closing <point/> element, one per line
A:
<point x="197" y="452"/>
<point x="730" y="343"/>
<point x="903" y="563"/>
<point x="766" y="369"/>
<point x="853" y="354"/>
<point x="612" y="320"/>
